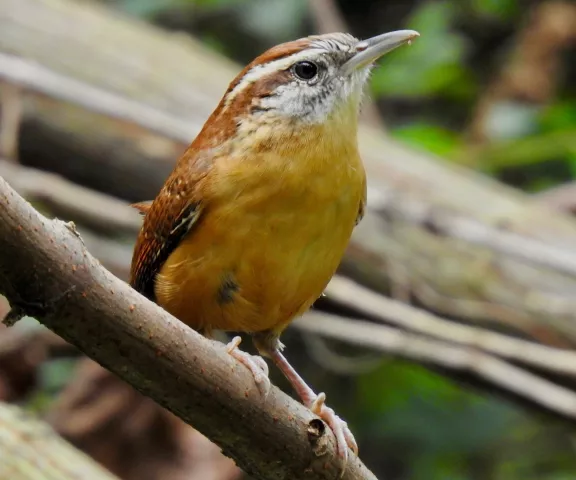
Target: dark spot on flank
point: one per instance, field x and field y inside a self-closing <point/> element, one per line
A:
<point x="227" y="289"/>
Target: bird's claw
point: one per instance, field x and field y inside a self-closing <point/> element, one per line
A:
<point x="339" y="427"/>
<point x="257" y="365"/>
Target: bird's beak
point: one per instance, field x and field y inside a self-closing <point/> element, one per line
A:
<point x="367" y="51"/>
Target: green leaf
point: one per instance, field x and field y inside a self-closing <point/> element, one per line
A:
<point x="500" y="9"/>
<point x="430" y="137"/>
<point x="558" y="116"/>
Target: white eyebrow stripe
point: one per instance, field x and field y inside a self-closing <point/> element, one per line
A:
<point x="260" y="71"/>
<point x="317" y="47"/>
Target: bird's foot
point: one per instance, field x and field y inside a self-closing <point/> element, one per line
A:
<point x="256" y="365"/>
<point x="316" y="403"/>
<point x="344" y="437"/>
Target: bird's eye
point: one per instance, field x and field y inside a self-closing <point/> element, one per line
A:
<point x="305" y="70"/>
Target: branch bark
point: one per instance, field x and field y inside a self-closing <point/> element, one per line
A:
<point x="46" y="272"/>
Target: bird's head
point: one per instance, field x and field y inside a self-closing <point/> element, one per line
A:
<point x="304" y="82"/>
<point x="308" y="79"/>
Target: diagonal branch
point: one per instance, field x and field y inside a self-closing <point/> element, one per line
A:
<point x="29" y="75"/>
<point x="500" y="373"/>
<point x="96" y="210"/>
<point x="554" y="360"/>
<point x="45" y="271"/>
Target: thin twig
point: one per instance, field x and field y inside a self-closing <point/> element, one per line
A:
<point x="404" y="316"/>
<point x="415" y="347"/>
<point x="34" y="76"/>
<point x="96" y="210"/>
<point x="445" y="223"/>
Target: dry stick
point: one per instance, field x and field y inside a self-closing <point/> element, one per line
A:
<point x="36" y="77"/>
<point x="395" y="342"/>
<point x="99" y="211"/>
<point x="456" y="226"/>
<point x="45" y="271"/>
<point x="404" y="316"/>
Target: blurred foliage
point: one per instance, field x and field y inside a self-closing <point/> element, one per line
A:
<point x="412" y="423"/>
<point x="438" y="61"/>
<point x="439" y="431"/>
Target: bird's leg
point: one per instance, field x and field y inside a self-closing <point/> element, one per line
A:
<point x="269" y="345"/>
<point x="256" y="365"/>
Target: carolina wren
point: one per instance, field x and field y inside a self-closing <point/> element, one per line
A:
<point x="254" y="219"/>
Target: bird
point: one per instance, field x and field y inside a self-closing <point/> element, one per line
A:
<point x="255" y="217"/>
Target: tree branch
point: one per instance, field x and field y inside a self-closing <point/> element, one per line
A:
<point x="446" y="223"/>
<point x="46" y="272"/>
<point x="511" y="379"/>
<point x="96" y="210"/>
<point x="553" y="360"/>
<point x="29" y="75"/>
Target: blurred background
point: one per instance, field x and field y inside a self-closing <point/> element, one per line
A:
<point x="469" y="137"/>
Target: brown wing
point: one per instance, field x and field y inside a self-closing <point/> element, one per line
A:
<point x="168" y="219"/>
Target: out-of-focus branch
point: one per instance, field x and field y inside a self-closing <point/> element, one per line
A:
<point x="327" y="16"/>
<point x="406" y="317"/>
<point x="454" y="357"/>
<point x="562" y="197"/>
<point x="96" y="210"/>
<point x="10" y="117"/>
<point x="444" y="223"/>
<point x="31" y="450"/>
<point x="33" y="76"/>
<point x="45" y="271"/>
